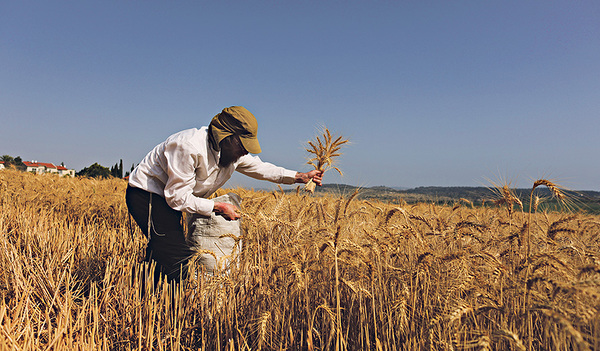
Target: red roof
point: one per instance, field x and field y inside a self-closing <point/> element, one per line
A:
<point x="61" y="168"/>
<point x="39" y="164"/>
<point x="47" y="165"/>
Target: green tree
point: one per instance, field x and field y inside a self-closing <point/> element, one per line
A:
<point x="8" y="160"/>
<point x="16" y="162"/>
<point x="95" y="171"/>
<point x="129" y="172"/>
<point x="19" y="164"/>
<point x="117" y="170"/>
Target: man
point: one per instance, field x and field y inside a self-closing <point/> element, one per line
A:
<point x="179" y="175"/>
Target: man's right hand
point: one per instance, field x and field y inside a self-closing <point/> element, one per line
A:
<point x="226" y="210"/>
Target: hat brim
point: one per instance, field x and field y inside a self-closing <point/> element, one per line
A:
<point x="251" y="144"/>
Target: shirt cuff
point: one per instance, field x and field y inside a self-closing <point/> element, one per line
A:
<point x="289" y="177"/>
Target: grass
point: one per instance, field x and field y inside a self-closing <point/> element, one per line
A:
<point x="315" y="273"/>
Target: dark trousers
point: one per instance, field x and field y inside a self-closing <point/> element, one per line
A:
<point x="166" y="240"/>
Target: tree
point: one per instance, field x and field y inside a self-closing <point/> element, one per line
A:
<point x="16" y="162"/>
<point x="117" y="170"/>
<point x="19" y="164"/>
<point x="8" y="160"/>
<point x="95" y="171"/>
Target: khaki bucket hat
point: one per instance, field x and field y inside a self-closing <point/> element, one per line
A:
<point x="236" y="120"/>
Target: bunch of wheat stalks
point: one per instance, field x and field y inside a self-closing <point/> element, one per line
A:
<point x="315" y="273"/>
<point x="324" y="152"/>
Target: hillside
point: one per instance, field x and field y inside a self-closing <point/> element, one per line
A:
<point x="588" y="201"/>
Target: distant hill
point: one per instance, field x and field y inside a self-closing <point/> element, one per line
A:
<point x="588" y="201"/>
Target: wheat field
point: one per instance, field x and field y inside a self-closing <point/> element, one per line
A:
<point x="314" y="273"/>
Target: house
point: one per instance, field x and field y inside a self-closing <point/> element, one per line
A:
<point x="41" y="167"/>
<point x="63" y="171"/>
<point x="2" y="165"/>
<point x="49" y="167"/>
<point x="33" y="167"/>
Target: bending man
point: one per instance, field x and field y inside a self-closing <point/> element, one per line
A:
<point x="179" y="175"/>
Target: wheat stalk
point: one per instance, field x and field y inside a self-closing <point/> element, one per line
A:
<point x="557" y="193"/>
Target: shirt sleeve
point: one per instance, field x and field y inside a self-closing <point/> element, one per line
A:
<point x="254" y="167"/>
<point x="180" y="168"/>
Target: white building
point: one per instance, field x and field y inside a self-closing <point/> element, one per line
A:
<point x="33" y="167"/>
<point x="63" y="171"/>
<point x="40" y="168"/>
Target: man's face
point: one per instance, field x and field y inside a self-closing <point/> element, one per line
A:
<point x="231" y="150"/>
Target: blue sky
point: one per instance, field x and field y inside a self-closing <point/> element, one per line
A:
<point x="430" y="93"/>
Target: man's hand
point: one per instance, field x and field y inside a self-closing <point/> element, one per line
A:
<point x="226" y="210"/>
<point x="315" y="175"/>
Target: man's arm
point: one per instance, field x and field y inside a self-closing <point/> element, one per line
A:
<point x="254" y="167"/>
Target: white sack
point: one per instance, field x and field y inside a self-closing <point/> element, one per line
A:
<point x="207" y="233"/>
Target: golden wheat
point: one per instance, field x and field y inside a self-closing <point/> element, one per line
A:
<point x="314" y="273"/>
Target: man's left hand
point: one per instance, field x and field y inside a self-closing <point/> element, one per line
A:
<point x="315" y="175"/>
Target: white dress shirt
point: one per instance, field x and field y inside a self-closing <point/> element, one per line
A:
<point x="185" y="170"/>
